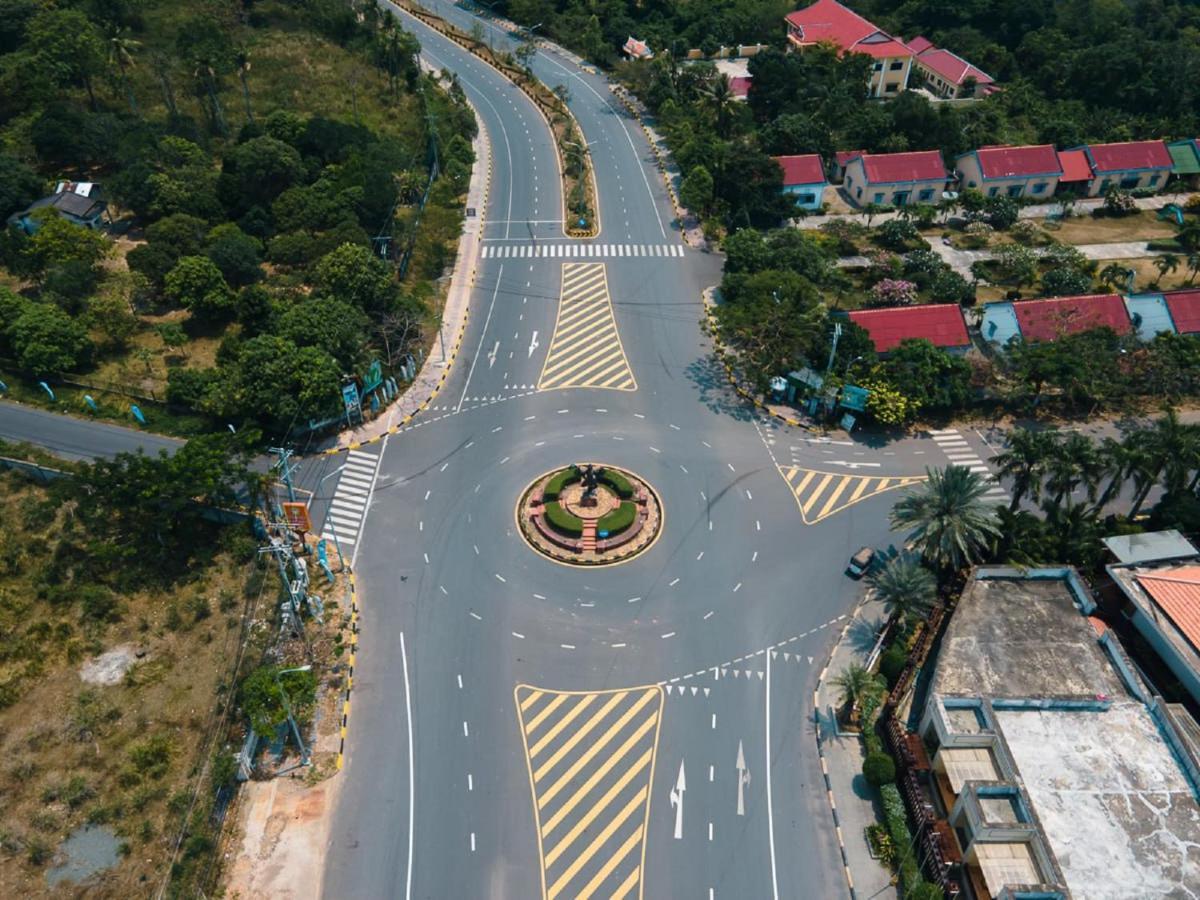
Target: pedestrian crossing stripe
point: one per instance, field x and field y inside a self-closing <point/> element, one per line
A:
<point x="821" y="494"/>
<point x="586" y="351"/>
<point x="590" y="757"/>
<point x="576" y="250"/>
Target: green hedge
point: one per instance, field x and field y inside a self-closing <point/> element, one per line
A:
<point x="562" y="521"/>
<point x="619" y="519"/>
<point x="557" y="482"/>
<point x="896" y="819"/>
<point x="618" y="483"/>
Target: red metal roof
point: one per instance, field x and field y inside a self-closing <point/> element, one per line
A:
<point x="1185" y="310"/>
<point x="1129" y="155"/>
<point x="952" y="67"/>
<point x="941" y="323"/>
<point x="844" y="156"/>
<point x="1075" y="166"/>
<point x="1013" y="162"/>
<point x="803" y="169"/>
<point x="740" y="85"/>
<point x="1176" y="591"/>
<point x="1048" y="320"/>
<point x="894" y="168"/>
<point x="828" y="21"/>
<point x="920" y="44"/>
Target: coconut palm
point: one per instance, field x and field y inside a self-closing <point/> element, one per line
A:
<point x="242" y="62"/>
<point x="720" y="99"/>
<point x="1073" y="462"/>
<point x="1117" y="461"/>
<point x="951" y="525"/>
<point x="1024" y="463"/>
<point x="905" y="585"/>
<point x="854" y="684"/>
<point x="1166" y="264"/>
<point x="1172" y="449"/>
<point x="121" y="50"/>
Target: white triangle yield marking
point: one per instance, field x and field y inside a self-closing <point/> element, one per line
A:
<point x="724" y="670"/>
<point x="810" y="660"/>
<point x="774" y="654"/>
<point x="735" y="673"/>
<point x="694" y="690"/>
<point x="785" y="656"/>
<point x="706" y="690"/>
<point x="760" y="676"/>
<point x="668" y="690"/>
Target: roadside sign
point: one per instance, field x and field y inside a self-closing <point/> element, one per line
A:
<point x="848" y="423"/>
<point x="854" y="397"/>
<point x="373" y="378"/>
<point x="350" y="399"/>
<point x="297" y="517"/>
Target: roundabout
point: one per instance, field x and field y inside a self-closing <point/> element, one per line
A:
<point x="590" y="515"/>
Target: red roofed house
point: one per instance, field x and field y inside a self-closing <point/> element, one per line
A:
<point x="828" y="22"/>
<point x="1163" y="604"/>
<point x="636" y="49"/>
<point x="1056" y="317"/>
<point x="948" y="75"/>
<point x="1076" y="171"/>
<point x="896" y="179"/>
<point x="1013" y="171"/>
<point x="941" y="324"/>
<point x="840" y="160"/>
<point x="1185" y="310"/>
<point x="1131" y="166"/>
<point x="803" y="179"/>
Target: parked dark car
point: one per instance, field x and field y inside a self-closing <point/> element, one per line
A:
<point x="860" y="563"/>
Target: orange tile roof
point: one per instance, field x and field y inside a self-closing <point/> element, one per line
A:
<point x="1177" y="593"/>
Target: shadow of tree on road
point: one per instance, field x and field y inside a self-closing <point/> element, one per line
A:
<point x="715" y="390"/>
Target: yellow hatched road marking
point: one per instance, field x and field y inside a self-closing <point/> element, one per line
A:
<point x="578" y="736"/>
<point x="613" y="862"/>
<point x="561" y="724"/>
<point x="836" y="492"/>
<point x="585" y="349"/>
<point x="601" y="812"/>
<point x="580" y="861"/>
<point x="544" y="712"/>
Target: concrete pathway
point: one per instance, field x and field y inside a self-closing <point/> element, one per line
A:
<point x="853" y="801"/>
<point x="1036" y="211"/>
<point x="961" y="260"/>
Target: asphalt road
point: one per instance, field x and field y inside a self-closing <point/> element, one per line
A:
<point x="469" y="772"/>
<point x="76" y="439"/>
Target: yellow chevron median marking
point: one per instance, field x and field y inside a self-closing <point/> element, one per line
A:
<point x="811" y="487"/>
<point x="586" y="350"/>
<point x="591" y="785"/>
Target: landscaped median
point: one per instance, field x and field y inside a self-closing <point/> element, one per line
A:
<point x="581" y="218"/>
<point x="589" y="515"/>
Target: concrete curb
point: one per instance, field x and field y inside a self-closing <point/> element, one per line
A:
<point x="341" y="757"/>
<point x="837" y="825"/>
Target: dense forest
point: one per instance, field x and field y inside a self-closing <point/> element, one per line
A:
<point x="265" y="164"/>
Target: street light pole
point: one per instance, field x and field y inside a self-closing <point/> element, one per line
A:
<point x="288" y="709"/>
<point x="325" y="521"/>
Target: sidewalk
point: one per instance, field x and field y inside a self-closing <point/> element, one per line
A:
<point x="436" y="369"/>
<point x="851" y="799"/>
<point x="1036" y="211"/>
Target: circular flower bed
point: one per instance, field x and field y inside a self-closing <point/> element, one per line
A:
<point x="589" y="515"/>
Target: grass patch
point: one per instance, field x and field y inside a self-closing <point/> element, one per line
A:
<point x="563" y="522"/>
<point x="1144" y="225"/>
<point x="557" y="483"/>
<point x="618" y="483"/>
<point x="619" y="519"/>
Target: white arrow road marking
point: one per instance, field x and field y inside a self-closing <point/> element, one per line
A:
<point x="533" y="344"/>
<point x="677" y="801"/>
<point x="492" y="355"/>
<point x="743" y="779"/>
<point x="853" y="465"/>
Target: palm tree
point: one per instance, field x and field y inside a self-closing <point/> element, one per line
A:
<point x="854" y="684"/>
<point x="1166" y="264"/>
<point x="1114" y="276"/>
<point x="1073" y="532"/>
<point x="1117" y="462"/>
<point x="121" y="49"/>
<point x="1193" y="262"/>
<point x="951" y="525"/>
<point x="1173" y="449"/>
<point x="721" y="100"/>
<point x="905" y="585"/>
<point x="1024" y="463"/>
<point x="1073" y="462"/>
<point x="242" y="61"/>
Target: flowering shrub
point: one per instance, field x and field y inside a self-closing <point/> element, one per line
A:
<point x="893" y="292"/>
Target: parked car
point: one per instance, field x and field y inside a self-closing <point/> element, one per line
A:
<point x="860" y="563"/>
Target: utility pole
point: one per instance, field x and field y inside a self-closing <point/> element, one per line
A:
<point x="837" y="333"/>
<point x="287" y="707"/>
<point x="285" y="469"/>
<point x="293" y="576"/>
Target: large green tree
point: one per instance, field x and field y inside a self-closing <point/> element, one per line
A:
<point x="948" y="522"/>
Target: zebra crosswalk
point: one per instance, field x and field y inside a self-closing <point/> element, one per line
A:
<point x="822" y="494"/>
<point x="590" y="757"/>
<point x="951" y="442"/>
<point x="349" y="505"/>
<point x="586" y="351"/>
<point x="576" y="250"/>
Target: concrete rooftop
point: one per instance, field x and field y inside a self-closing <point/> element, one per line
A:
<point x="1113" y="803"/>
<point x="1015" y="638"/>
